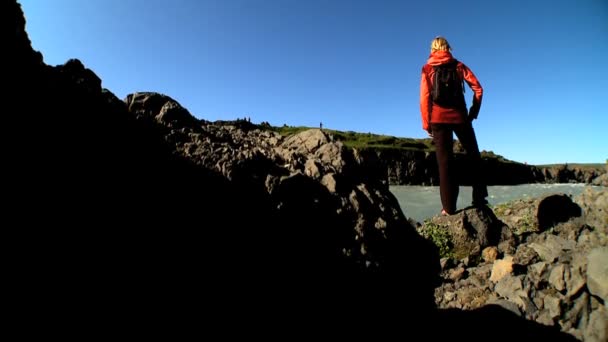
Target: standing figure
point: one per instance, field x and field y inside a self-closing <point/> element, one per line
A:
<point x="444" y="112"/>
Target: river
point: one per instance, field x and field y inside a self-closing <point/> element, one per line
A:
<point x="422" y="202"/>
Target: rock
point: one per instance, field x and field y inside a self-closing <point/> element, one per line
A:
<point x="528" y="308"/>
<point x="553" y="209"/>
<point x="329" y="182"/>
<point x="161" y="107"/>
<point x="556" y="277"/>
<point x="597" y="328"/>
<point x="307" y="141"/>
<point x="536" y="215"/>
<point x="601" y="180"/>
<point x="482" y="271"/>
<point x="574" y="281"/>
<point x="525" y="256"/>
<point x="550" y="249"/>
<point x="501" y="268"/>
<point x="510" y="287"/>
<point x="538" y="273"/>
<point x="552" y="305"/>
<point x="577" y="315"/>
<point x="546" y="318"/>
<point x="471" y="230"/>
<point x="597" y="272"/>
<point x="456" y="273"/>
<point x="595" y="207"/>
<point x="489" y="254"/>
<point x="311" y="169"/>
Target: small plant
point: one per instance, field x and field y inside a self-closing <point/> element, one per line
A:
<point x="526" y="225"/>
<point x="439" y="236"/>
<point x="500" y="209"/>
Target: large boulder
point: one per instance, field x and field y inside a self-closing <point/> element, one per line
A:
<point x="472" y="230"/>
<point x="537" y="214"/>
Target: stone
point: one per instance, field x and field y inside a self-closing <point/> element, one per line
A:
<point x="545" y="318"/>
<point x="489" y="254"/>
<point x="552" y="305"/>
<point x="574" y="281"/>
<point x="556" y="277"/>
<point x="456" y="274"/>
<point x="597" y="272"/>
<point x="525" y="255"/>
<point x="537" y="272"/>
<point x="597" y="327"/>
<point x="546" y="253"/>
<point x="510" y="287"/>
<point x="311" y="169"/>
<point x="501" y="268"/>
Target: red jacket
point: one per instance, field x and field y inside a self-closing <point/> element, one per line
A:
<point x="433" y="113"/>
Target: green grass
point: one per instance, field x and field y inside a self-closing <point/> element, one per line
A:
<point x="579" y="165"/>
<point x="439" y="236"/>
<point x="527" y="222"/>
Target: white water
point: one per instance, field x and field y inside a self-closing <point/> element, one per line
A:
<point x="422" y="202"/>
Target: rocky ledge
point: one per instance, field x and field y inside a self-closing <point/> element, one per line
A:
<point x="543" y="259"/>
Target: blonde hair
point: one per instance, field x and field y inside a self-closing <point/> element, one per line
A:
<point x="440" y="44"/>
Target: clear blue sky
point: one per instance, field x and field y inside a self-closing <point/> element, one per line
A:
<point x="353" y="65"/>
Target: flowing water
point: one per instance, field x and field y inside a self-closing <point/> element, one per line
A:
<point x="422" y="202"/>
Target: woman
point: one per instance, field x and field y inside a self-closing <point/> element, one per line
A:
<point x="443" y="115"/>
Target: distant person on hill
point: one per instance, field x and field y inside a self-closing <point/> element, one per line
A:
<point x="444" y="112"/>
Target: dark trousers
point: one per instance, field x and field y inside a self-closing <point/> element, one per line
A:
<point x="448" y="184"/>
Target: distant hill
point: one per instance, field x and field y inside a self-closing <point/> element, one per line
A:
<point x="412" y="161"/>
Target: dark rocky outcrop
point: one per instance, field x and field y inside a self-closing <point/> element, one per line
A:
<point x="308" y="186"/>
<point x="402" y="167"/>
<point x="152" y="211"/>
<point x="136" y="216"/>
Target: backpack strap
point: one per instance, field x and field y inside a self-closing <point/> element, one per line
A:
<point x="464" y="90"/>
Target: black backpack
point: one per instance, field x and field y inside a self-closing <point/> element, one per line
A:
<point x="448" y="87"/>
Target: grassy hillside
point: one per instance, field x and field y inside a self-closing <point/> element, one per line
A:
<point x="369" y="140"/>
<point x="594" y="166"/>
<point x="363" y="140"/>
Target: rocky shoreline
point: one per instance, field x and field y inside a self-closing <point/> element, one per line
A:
<point x="546" y="261"/>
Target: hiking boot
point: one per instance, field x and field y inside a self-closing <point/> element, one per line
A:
<point x="480" y="203"/>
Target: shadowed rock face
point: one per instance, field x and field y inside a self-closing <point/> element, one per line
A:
<point x="140" y="202"/>
<point x="143" y="213"/>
